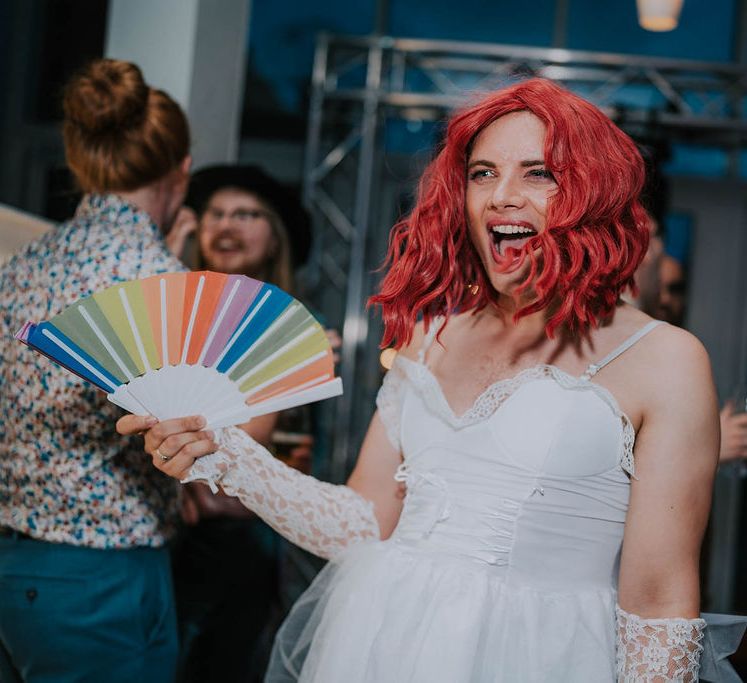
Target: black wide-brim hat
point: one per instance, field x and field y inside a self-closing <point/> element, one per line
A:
<point x="205" y="182"/>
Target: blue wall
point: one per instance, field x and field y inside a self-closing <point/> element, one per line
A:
<point x="282" y="37"/>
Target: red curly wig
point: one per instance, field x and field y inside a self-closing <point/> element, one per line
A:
<point x="597" y="230"/>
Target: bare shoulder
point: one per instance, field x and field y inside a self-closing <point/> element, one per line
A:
<point x="675" y="381"/>
<point x="676" y="356"/>
<point x="667" y="352"/>
<point x="418" y="340"/>
<point x="412" y="349"/>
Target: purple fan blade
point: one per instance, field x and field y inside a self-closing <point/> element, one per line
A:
<point x="245" y="292"/>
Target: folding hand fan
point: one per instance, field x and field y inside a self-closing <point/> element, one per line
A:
<point x="223" y="346"/>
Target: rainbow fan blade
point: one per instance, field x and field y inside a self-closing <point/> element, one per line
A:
<point x="224" y="346"/>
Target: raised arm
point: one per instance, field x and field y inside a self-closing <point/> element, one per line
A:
<point x="320" y="517"/>
<point x="676" y="455"/>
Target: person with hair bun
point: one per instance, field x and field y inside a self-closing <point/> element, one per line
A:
<point x="557" y="445"/>
<point x="85" y="584"/>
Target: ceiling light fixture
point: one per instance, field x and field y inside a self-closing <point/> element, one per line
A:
<point x="659" y="15"/>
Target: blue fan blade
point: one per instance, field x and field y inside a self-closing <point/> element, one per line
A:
<point x="272" y="307"/>
<point x="39" y="341"/>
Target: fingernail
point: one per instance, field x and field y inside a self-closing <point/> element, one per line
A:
<point x="200" y="422"/>
<point x="209" y="434"/>
<point x="150" y="420"/>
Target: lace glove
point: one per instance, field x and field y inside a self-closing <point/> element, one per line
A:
<point x="658" y="650"/>
<point x="319" y="517"/>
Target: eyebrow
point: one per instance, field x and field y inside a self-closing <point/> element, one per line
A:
<point x="244" y="207"/>
<point x="524" y="164"/>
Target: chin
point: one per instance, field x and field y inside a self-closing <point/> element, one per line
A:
<point x="506" y="285"/>
<point x="218" y="264"/>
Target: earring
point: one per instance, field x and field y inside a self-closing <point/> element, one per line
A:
<point x="473" y="289"/>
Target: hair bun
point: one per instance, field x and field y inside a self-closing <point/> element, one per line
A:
<point x="107" y="94"/>
<point x="120" y="134"/>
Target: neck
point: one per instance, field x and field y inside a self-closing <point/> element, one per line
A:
<point x="506" y="308"/>
<point x="261" y="273"/>
<point x="153" y="200"/>
<point x="518" y="337"/>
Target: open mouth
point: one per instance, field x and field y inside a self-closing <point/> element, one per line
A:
<point x="510" y="236"/>
<point x="226" y="245"/>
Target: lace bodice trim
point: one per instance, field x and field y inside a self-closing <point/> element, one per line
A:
<point x="389" y="403"/>
<point x="389" y="400"/>
<point x="490" y="400"/>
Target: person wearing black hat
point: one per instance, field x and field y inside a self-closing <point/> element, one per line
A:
<point x="246" y="222"/>
<point x="227" y="561"/>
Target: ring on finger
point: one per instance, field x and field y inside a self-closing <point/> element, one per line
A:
<point x="164" y="458"/>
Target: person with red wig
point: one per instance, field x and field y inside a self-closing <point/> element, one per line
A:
<point x="557" y="446"/>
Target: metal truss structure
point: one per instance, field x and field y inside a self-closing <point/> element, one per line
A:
<point x="362" y="84"/>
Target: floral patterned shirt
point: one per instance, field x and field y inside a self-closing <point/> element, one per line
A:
<point x="65" y="474"/>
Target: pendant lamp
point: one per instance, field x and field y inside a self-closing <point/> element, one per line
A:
<point x="659" y="15"/>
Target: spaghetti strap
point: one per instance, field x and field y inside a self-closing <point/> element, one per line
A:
<point x="594" y="368"/>
<point x="428" y="339"/>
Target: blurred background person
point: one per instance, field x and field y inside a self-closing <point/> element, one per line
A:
<point x="733" y="432"/>
<point x="655" y="199"/>
<point x="672" y="300"/>
<point x="672" y="307"/>
<point x="245" y="223"/>
<point x="647" y="277"/>
<point x="227" y="562"/>
<point x="85" y="579"/>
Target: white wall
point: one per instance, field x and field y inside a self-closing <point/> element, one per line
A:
<point x="159" y="37"/>
<point x="196" y="51"/>
<point x="17" y="228"/>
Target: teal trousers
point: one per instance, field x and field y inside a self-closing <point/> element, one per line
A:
<point x="69" y="613"/>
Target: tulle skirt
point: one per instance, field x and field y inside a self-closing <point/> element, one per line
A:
<point x="385" y="613"/>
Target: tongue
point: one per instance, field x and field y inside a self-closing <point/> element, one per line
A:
<point x="507" y="243"/>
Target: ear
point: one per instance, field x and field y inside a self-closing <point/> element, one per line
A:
<point x="186" y="165"/>
<point x="180" y="175"/>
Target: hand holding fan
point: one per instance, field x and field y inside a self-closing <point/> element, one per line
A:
<point x="223" y="346"/>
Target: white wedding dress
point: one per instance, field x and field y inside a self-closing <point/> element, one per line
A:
<point x="504" y="563"/>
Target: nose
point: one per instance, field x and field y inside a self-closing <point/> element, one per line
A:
<point x="507" y="193"/>
<point x="665" y="298"/>
<point x="226" y="221"/>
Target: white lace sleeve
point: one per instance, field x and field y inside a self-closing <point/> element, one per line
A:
<point x="389" y="403"/>
<point x="658" y="650"/>
<point x="320" y="517"/>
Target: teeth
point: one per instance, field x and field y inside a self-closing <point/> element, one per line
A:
<point x="226" y="244"/>
<point x="512" y="230"/>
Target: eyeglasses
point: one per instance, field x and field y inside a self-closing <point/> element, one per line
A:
<point x="240" y="216"/>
